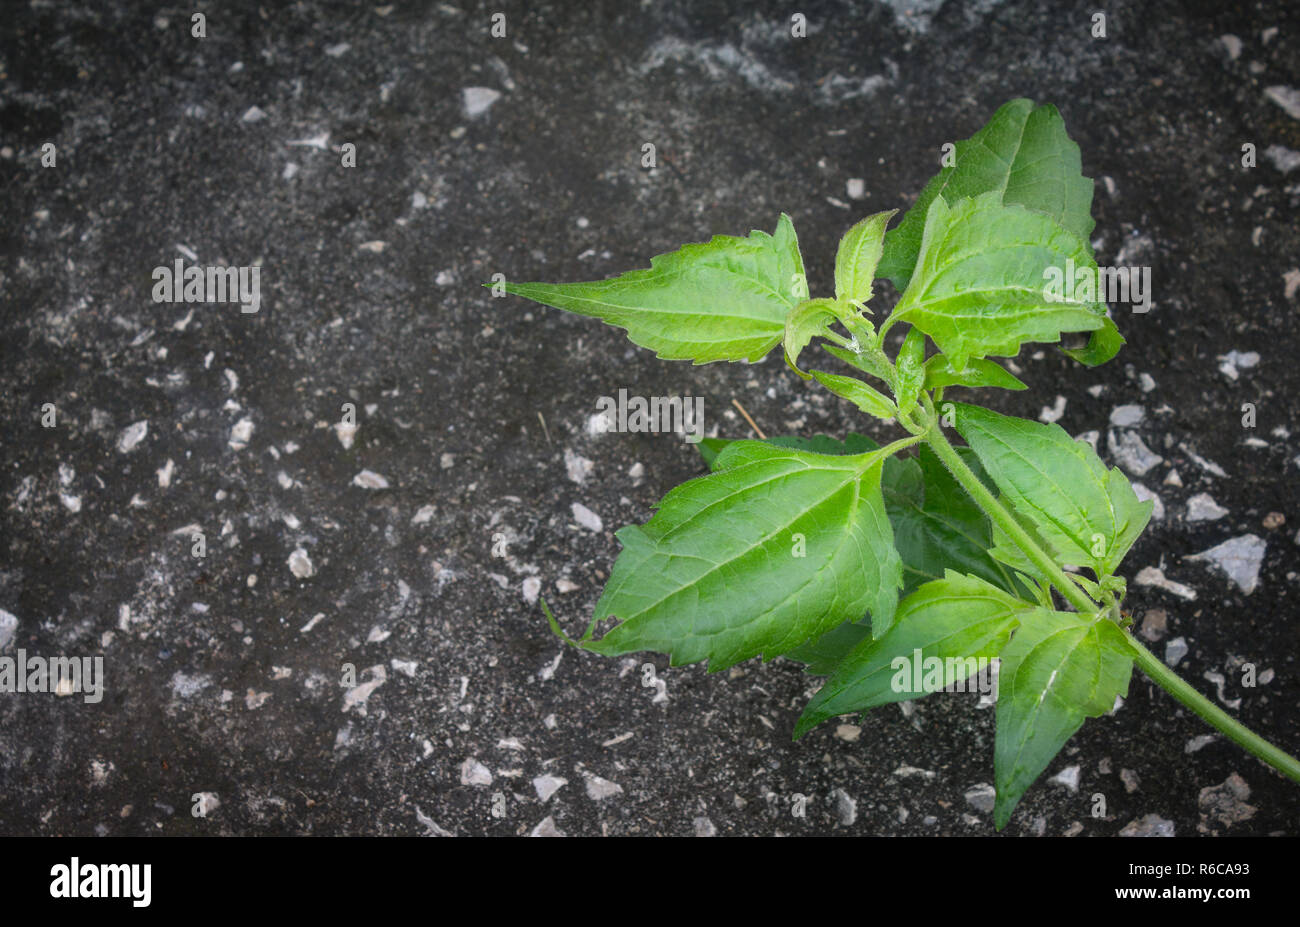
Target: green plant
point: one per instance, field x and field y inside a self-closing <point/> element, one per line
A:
<point x="857" y="559"/>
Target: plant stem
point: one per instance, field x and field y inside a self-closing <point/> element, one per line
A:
<point x="1211" y="713"/>
<point x="1155" y="668"/>
<point x="902" y="443"/>
<point x="994" y="509"/>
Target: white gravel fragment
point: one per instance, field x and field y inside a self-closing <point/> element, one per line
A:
<point x="546" y="828"/>
<point x="1127" y="416"/>
<point x="70" y="502"/>
<point x="1175" y="650"/>
<point x="1286" y="97"/>
<point x="187" y="686"/>
<point x="599" y="789"/>
<point x="474" y="773"/>
<point x="1240" y="558"/>
<point x="547" y="785"/>
<point x="1202" y="507"/>
<point x="704" y="827"/>
<point x="532" y="588"/>
<point x="845" y="807"/>
<point x="1154" y="576"/>
<point x="425" y="514"/>
<point x="478" y="100"/>
<point x="1284" y="159"/>
<point x="1131" y="452"/>
<point x="1067" y="778"/>
<point x="165" y="472"/>
<point x="1232" y="45"/>
<point x="357" y="696"/>
<point x="132" y="435"/>
<point x="346" y="432"/>
<point x="1199" y="742"/>
<point x="1146" y="382"/>
<point x="587" y="518"/>
<point x="1054" y="413"/>
<point x="1151" y="825"/>
<point x="1233" y="361"/>
<point x="981" y="797"/>
<point x="431" y="827"/>
<point x="369" y="479"/>
<point x="240" y="434"/>
<point x="300" y="564"/>
<point x="1143" y="494"/>
<point x="577" y="466"/>
<point x="253" y="114"/>
<point x="1173" y="479"/>
<point x="856" y="188"/>
<point x="405" y="667"/>
<point x="8" y="628"/>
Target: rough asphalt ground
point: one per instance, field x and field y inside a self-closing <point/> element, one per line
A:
<point x="223" y="672"/>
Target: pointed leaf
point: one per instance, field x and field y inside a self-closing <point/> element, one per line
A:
<point x="853" y="443"/>
<point x="957" y="619"/>
<point x="911" y="369"/>
<point x="858" y="255"/>
<point x="982" y="280"/>
<point x="1024" y="155"/>
<point x="860" y="394"/>
<point x="716" y="574"/>
<point x="938" y="526"/>
<point x="822" y="654"/>
<point x="811" y="319"/>
<point x="724" y="300"/>
<point x="870" y="360"/>
<point x="978" y="372"/>
<point x="1088" y="515"/>
<point x="1059" y="669"/>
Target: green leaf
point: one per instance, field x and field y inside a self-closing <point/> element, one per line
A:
<point x="1103" y="344"/>
<point x="1087" y="515"/>
<point x="724" y="300"/>
<point x="957" y="620"/>
<point x="811" y="319"/>
<point x="821" y="655"/>
<point x="978" y="372"/>
<point x="870" y="360"/>
<point x="853" y="443"/>
<point x="855" y="391"/>
<point x="1059" y="669"/>
<point x="716" y="574"/>
<point x="710" y="448"/>
<point x="857" y="257"/>
<point x="1023" y="155"/>
<point x="981" y="282"/>
<point x="911" y="369"/>
<point x="938" y="526"/>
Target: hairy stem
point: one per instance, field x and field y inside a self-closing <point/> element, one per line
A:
<point x="1155" y="668"/>
<point x="1211" y="713"/>
<point x="1004" y="520"/>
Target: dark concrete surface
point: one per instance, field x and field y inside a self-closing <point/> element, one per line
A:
<point x="467" y="405"/>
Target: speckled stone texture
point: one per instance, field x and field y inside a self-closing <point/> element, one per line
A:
<point x="332" y="550"/>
